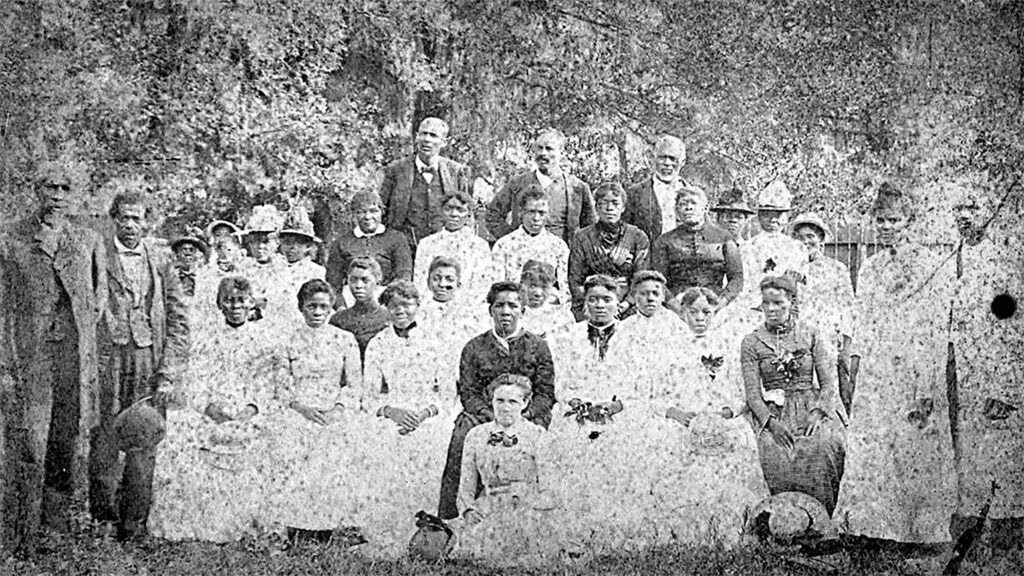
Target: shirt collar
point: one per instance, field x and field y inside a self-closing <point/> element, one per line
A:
<point x="608" y="326"/>
<point x="360" y="234"/>
<point x="423" y="167"/>
<point x="543" y="178"/>
<point x="122" y="249"/>
<point x="505" y="342"/>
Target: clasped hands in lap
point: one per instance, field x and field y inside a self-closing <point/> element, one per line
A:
<point x="407" y="420"/>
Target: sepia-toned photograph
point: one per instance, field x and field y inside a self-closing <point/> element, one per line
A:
<point x="489" y="287"/>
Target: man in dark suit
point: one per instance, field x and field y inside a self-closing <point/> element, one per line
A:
<point x="570" y="204"/>
<point x="143" y="347"/>
<point x="414" y="186"/>
<point x="650" y="203"/>
<point x="52" y="291"/>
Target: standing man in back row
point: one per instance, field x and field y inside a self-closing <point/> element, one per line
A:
<point x="651" y="203"/>
<point x="570" y="205"/>
<point x="414" y="186"/>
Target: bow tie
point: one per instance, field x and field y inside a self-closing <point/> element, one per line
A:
<point x="502" y="439"/>
<point x="712" y="364"/>
<point x="599" y="338"/>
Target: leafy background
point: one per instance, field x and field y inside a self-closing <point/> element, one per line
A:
<point x="218" y="105"/>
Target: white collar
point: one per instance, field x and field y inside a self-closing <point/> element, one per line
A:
<point x="423" y="167"/>
<point x="528" y="235"/>
<point x="659" y="183"/>
<point x="544" y="179"/>
<point x="122" y="249"/>
<point x="360" y="234"/>
<point x="504" y="342"/>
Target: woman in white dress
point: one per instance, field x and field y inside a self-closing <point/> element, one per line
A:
<point x="210" y="482"/>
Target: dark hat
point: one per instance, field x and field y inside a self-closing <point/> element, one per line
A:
<point x="433" y="539"/>
<point x="297" y="223"/>
<point x="890" y="198"/>
<point x="732" y="200"/>
<point x="193" y="237"/>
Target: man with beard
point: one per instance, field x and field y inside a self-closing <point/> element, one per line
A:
<point x="415" y="186"/>
<point x="651" y="203"/>
<point x="52" y="292"/>
<point x="505" y="349"/>
<point x="144" y="348"/>
<point x="570" y="205"/>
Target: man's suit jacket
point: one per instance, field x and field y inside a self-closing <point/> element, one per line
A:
<point x="396" y="189"/>
<point x="580" y="211"/>
<point x="78" y="262"/>
<point x="643" y="210"/>
<point x="167" y="310"/>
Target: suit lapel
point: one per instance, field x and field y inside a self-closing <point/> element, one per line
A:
<point x="114" y="270"/>
<point x="653" y="207"/>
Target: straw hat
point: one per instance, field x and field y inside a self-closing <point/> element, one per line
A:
<point x="265" y="218"/>
<point x="139" y="427"/>
<point x="791" y="515"/>
<point x="235" y="230"/>
<point x="297" y="222"/>
<point x="732" y="201"/>
<point x="775" y="196"/>
<point x="811" y="219"/>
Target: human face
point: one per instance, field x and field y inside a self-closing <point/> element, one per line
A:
<point x="601" y="305"/>
<point x="363" y="284"/>
<point x="535" y="216"/>
<point x="456" y="215"/>
<point x="54" y="200"/>
<point x="536" y="293"/>
<point x="776" y="305"/>
<point x="771" y="220"/>
<point x="129" y="222"/>
<point x="648" y="296"/>
<point x="235" y="306"/>
<point x="443" y="282"/>
<point x="294" y="247"/>
<point x="890" y="225"/>
<point x="368" y="218"/>
<point x="188" y="256"/>
<point x="317" y="309"/>
<point x="668" y="159"/>
<point x="698" y="315"/>
<point x="403" y="311"/>
<point x="431" y="137"/>
<point x="227" y="249"/>
<point x="968" y="218"/>
<point x="547" y="153"/>
<point x="506" y="312"/>
<point x="691" y="209"/>
<point x="812" y="239"/>
<point x="609" y="209"/>
<point x="732" y="220"/>
<point x="508" y="404"/>
<point x="260" y="246"/>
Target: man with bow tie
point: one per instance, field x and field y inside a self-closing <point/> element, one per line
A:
<point x="143" y="347"/>
<point x="52" y="291"/>
<point x="414" y="186"/>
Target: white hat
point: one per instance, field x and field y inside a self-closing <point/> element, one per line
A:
<point x="775" y="196"/>
<point x="265" y="218"/>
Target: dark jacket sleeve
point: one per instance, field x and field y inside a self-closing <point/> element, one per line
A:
<point x="401" y="258"/>
<point x="733" y="270"/>
<point x="543" y="399"/>
<point x="471" y="392"/>
<point x="642" y="252"/>
<point x="499" y="208"/>
<point x="588" y="215"/>
<point x="752" y="380"/>
<point x="387" y="191"/>
<point x="337" y="266"/>
<point x="176" y="344"/>
<point x="659" y="256"/>
<point x="577" y="266"/>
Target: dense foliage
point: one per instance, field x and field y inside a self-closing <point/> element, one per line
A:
<point x="221" y="104"/>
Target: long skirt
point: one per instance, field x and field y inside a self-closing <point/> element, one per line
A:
<point x="522" y="529"/>
<point x="209" y="480"/>
<point x="815" y="464"/>
<point x="899" y="481"/>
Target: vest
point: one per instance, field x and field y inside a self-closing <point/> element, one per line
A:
<point x="424" y="215"/>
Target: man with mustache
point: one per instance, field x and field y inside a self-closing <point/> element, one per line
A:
<point x="504" y="349"/>
<point x="651" y="203"/>
<point x="143" y="346"/>
<point x="52" y="293"/>
<point x="570" y="205"/>
<point x="415" y="186"/>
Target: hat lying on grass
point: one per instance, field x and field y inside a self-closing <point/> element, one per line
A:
<point x="139" y="427"/>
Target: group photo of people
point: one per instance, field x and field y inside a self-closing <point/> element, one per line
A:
<point x="565" y="370"/>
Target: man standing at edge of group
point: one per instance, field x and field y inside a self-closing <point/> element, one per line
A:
<point x="52" y="292"/>
<point x="414" y="186"/>
<point x="505" y="348"/>
<point x="143" y="345"/>
<point x="570" y="205"/>
<point x="651" y="203"/>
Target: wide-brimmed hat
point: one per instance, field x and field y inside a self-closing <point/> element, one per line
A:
<point x="775" y="196"/>
<point x="732" y="200"/>
<point x="791" y="515"/>
<point x="811" y="219"/>
<point x="139" y="427"/>
<point x="191" y="237"/>
<point x="265" y="218"/>
<point x="235" y="230"/>
<point x="297" y="222"/>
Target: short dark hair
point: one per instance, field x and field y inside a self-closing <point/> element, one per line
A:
<point x="460" y="195"/>
<point x="399" y="289"/>
<point x="313" y="287"/>
<point x="363" y="198"/>
<point x="601" y="280"/>
<point x="238" y="283"/>
<point x="444" y="262"/>
<point x="535" y="271"/>
<point x="780" y="282"/>
<point x="507" y="379"/>
<point x="645" y="275"/>
<point x="532" y="193"/>
<point x="694" y="293"/>
<point x="499" y="287"/>
<point x="610" y="189"/>
<point x="366" y="263"/>
<point x="130" y="198"/>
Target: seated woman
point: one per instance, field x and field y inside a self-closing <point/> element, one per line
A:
<point x="504" y="504"/>
<point x="579" y="351"/>
<point x="208" y="483"/>
<point x="316" y="421"/>
<point x="723" y="478"/>
<point x="409" y="385"/>
<point x="544" y="314"/>
<point x="789" y="374"/>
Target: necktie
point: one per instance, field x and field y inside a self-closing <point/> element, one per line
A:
<point x="599" y="338"/>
